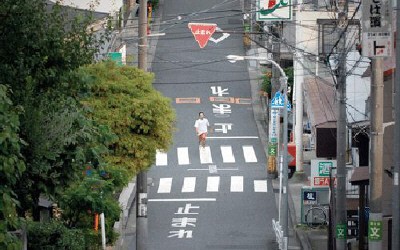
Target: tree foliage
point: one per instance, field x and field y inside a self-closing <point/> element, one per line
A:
<point x="11" y="167"/>
<point x="40" y="51"/>
<point x="125" y="100"/>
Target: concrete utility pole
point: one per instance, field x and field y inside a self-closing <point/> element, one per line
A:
<point x="376" y="154"/>
<point x="285" y="208"/>
<point x="141" y="180"/>
<point x="275" y="86"/>
<point x="341" y="212"/>
<point x="396" y="150"/>
<point x="298" y="95"/>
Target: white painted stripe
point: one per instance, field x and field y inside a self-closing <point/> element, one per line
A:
<point x="206" y="169"/>
<point x="161" y="158"/>
<point x="164" y="186"/>
<point x="183" y="156"/>
<point x="249" y="154"/>
<point x="227" y="154"/>
<point x="260" y="186"/>
<point x="189" y="184"/>
<point x="232" y="137"/>
<point x="205" y="155"/>
<point x="193" y="199"/>
<point x="236" y="183"/>
<point x="212" y="183"/>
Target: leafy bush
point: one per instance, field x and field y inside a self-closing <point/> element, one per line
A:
<point x="93" y="194"/>
<point x="54" y="235"/>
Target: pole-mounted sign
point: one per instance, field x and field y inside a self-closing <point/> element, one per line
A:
<point x="274" y="10"/>
<point x="377" y="37"/>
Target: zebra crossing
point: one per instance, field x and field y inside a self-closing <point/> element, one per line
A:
<point x="213" y="185"/>
<point x="206" y="156"/>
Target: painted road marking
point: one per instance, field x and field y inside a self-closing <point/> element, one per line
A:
<point x="164" y="186"/>
<point x="242" y="100"/>
<point x="227" y="154"/>
<point x="232" y="137"/>
<point x="193" y="199"/>
<point x="205" y="155"/>
<point x="161" y="158"/>
<point x="212" y="183"/>
<point x="189" y="184"/>
<point x="183" y="156"/>
<point x="249" y="154"/>
<point x="184" y="100"/>
<point x="236" y="183"/>
<point x="260" y="186"/>
<point x="222" y="99"/>
<point x="213" y="169"/>
<point x="218" y="169"/>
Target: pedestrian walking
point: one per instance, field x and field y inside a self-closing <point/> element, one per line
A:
<point x="202" y="126"/>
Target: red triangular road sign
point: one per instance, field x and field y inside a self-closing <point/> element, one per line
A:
<point x="202" y="32"/>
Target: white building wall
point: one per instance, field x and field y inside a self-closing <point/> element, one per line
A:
<point x="108" y="6"/>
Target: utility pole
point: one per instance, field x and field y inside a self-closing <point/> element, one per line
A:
<point x="275" y="86"/>
<point x="285" y="207"/>
<point x="141" y="180"/>
<point x="298" y="95"/>
<point x="396" y="170"/>
<point x="376" y="153"/>
<point x="340" y="215"/>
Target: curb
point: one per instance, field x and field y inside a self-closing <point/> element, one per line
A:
<point x="126" y="200"/>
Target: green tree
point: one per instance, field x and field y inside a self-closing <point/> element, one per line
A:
<point x="125" y="100"/>
<point x="11" y="168"/>
<point x="40" y="51"/>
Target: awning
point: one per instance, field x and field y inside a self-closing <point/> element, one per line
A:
<point x="320" y="100"/>
<point x="360" y="176"/>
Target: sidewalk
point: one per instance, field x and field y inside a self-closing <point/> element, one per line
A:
<point x="300" y="236"/>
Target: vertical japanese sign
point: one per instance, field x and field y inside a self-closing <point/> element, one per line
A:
<point x="377" y="37"/>
<point x="274" y="10"/>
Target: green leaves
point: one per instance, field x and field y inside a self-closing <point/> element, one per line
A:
<point x="124" y="100"/>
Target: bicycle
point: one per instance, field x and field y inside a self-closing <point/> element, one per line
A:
<point x="316" y="215"/>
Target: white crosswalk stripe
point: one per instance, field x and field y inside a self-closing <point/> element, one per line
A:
<point x="213" y="185"/>
<point x="161" y="158"/>
<point x="205" y="154"/>
<point x="249" y="154"/>
<point x="165" y="186"/>
<point x="260" y="186"/>
<point x="227" y="154"/>
<point x="236" y="183"/>
<point x="189" y="184"/>
<point x="183" y="156"/>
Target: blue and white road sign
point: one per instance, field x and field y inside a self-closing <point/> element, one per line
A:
<point x="279" y="101"/>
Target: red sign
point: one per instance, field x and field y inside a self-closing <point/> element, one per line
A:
<point x="202" y="32"/>
<point x="323" y="181"/>
<point x="292" y="152"/>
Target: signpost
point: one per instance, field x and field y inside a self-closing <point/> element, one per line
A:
<point x="202" y="32"/>
<point x="377" y="40"/>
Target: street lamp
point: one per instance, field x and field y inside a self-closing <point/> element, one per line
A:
<point x="281" y="229"/>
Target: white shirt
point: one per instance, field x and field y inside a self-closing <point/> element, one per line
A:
<point x="201" y="125"/>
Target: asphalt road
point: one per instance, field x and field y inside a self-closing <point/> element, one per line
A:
<point x="218" y="197"/>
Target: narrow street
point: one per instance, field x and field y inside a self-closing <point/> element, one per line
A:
<point x="218" y="197"/>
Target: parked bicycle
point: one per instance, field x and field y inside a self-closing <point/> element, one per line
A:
<point x="315" y="216"/>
